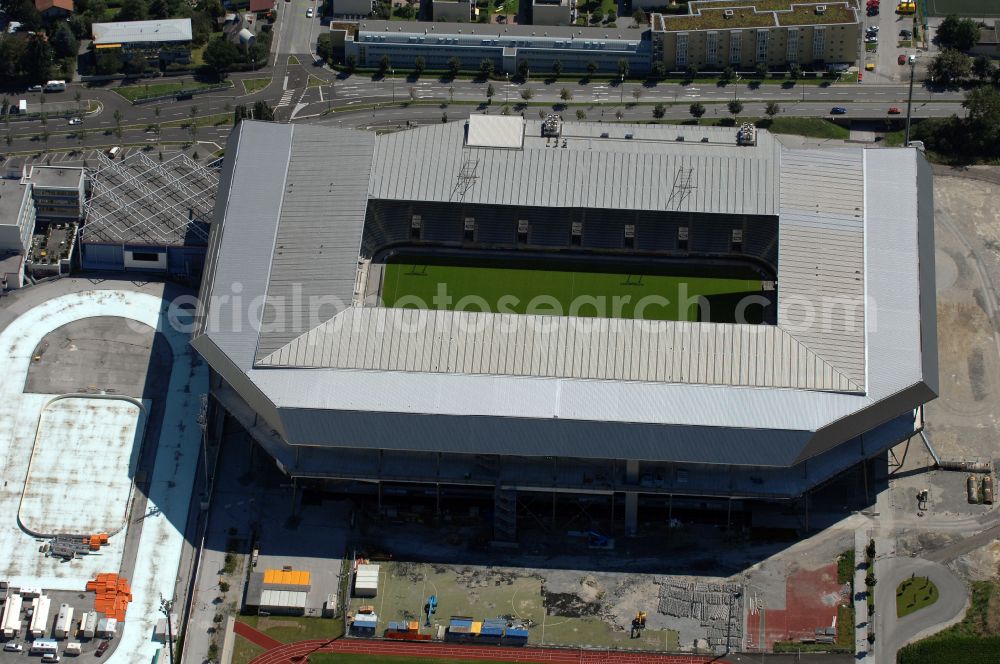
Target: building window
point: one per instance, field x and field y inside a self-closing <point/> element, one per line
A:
<point x="737" y="240"/>
<point x="470" y="229"/>
<point x="682" y="49"/>
<point x="682" y="238"/>
<point x="576" y="237"/>
<point x="762" y="36"/>
<point x="792" y="52"/>
<point x="735" y="42"/>
<point x="819" y="43"/>
<point x="630" y="236"/>
<point x="712" y="49"/>
<point x="416" y="227"/>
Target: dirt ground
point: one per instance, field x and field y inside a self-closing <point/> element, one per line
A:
<point x="962" y="422"/>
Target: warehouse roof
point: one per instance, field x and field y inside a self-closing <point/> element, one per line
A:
<point x="843" y="249"/>
<point x="130" y="32"/>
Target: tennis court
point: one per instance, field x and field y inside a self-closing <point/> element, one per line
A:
<point x="563" y="293"/>
<point x="969" y="8"/>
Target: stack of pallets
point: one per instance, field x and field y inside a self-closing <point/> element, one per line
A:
<point x="113" y="595"/>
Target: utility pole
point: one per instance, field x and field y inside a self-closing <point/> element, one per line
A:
<point x="167" y="606"/>
<point x="392" y="74"/>
<point x="621" y="89"/>
<point x="909" y="99"/>
<point x="506" y="91"/>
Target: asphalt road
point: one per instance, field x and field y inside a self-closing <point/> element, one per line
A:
<point x="894" y="633"/>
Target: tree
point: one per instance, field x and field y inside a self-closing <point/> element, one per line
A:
<point x="444" y="117"/>
<point x="622" y="68"/>
<point x="523" y="70"/>
<point x="133" y="10"/>
<point x="983" y="67"/>
<point x="486" y="68"/>
<point x="119" y="116"/>
<point x="697" y="109"/>
<point x="728" y="73"/>
<point x="107" y="62"/>
<point x="619" y="115"/>
<point x="591" y="68"/>
<point x="581" y="114"/>
<point x="194" y="123"/>
<point x="557" y="67"/>
<point x="659" y="111"/>
<point x="261" y="111"/>
<point x="490" y="91"/>
<point x="983" y="121"/>
<point x="658" y="70"/>
<point x="37" y="61"/>
<point x="384" y="64"/>
<point x="611" y="17"/>
<point x="950" y="66"/>
<point x="351" y="63"/>
<point x="63" y="41"/>
<point x="760" y="71"/>
<point x="527" y="94"/>
<point x="772" y="109"/>
<point x="565" y="94"/>
<point x="159" y="9"/>
<point x="324" y="47"/>
<point x="454" y="66"/>
<point x="639" y="17"/>
<point x="77" y="97"/>
<point x="636" y="94"/>
<point x="691" y="72"/>
<point x="959" y="34"/>
<point x="419" y="64"/>
<point x="794" y="72"/>
<point x="219" y="56"/>
<point x="735" y="107"/>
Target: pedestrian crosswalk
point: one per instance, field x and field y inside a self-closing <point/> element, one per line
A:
<point x="286" y="98"/>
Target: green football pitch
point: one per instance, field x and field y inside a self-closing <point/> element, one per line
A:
<point x="970" y="8"/>
<point x="566" y="293"/>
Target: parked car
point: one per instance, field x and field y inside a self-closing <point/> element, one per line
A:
<point x="894" y="110"/>
<point x="838" y="110"/>
<point x="50" y="658"/>
<point x="905" y="34"/>
<point x="75" y="121"/>
<point x="309" y="13"/>
<point x="901" y="59"/>
<point x="35" y="88"/>
<point x="103" y="648"/>
<point x="13" y="646"/>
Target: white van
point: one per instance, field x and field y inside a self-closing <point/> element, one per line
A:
<point x="113" y="152"/>
<point x="44" y="647"/>
<point x="22" y="106"/>
<point x="55" y="86"/>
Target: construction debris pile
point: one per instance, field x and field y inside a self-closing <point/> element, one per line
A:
<point x="718" y="606"/>
<point x="69" y="547"/>
<point x="113" y="595"/>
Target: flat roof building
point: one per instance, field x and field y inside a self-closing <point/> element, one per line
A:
<point x="137" y="33"/>
<point x="336" y="387"/>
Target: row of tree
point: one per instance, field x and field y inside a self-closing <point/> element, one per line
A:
<point x="976" y="136"/>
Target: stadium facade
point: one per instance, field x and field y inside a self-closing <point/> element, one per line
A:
<point x="342" y="391"/>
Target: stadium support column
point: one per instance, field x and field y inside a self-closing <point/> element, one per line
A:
<point x="631" y="498"/>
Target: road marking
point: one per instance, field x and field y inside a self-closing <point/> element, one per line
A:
<point x="284" y="85"/>
<point x="286" y="98"/>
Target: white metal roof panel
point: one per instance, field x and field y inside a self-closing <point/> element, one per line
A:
<point x="127" y="32"/>
<point x="495" y="131"/>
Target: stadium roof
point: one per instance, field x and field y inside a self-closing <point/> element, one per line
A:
<point x="855" y="343"/>
<point x="131" y="32"/>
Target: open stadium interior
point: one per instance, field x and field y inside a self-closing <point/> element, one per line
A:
<point x="351" y="384"/>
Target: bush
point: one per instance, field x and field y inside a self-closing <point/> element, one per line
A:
<point x="845" y="567"/>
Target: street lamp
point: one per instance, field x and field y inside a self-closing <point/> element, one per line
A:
<point x="392" y="74"/>
<point x="167" y="605"/>
<point x="909" y="99"/>
<point x="506" y="91"/>
<point x="621" y="89"/>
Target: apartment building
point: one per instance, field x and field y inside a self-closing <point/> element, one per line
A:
<point x="457" y="11"/>
<point x="745" y="33"/>
<point x="553" y="12"/>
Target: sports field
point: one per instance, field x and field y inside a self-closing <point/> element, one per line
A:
<point x="563" y="293"/>
<point x="969" y="8"/>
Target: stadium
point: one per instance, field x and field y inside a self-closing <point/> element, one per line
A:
<point x="509" y="310"/>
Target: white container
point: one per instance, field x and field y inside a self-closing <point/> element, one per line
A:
<point x="64" y="622"/>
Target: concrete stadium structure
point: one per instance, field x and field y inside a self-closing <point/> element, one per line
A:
<point x="340" y="390"/>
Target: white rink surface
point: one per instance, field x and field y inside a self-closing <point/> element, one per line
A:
<point x="170" y="486"/>
<point x="82" y="466"/>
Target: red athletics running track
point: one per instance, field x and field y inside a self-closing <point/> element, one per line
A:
<point x="285" y="653"/>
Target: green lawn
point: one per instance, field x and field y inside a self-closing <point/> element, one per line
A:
<point x="244" y="651"/>
<point x="914" y="594"/>
<point x="251" y="85"/>
<point x="290" y="629"/>
<point x="292" y="60"/>
<point x="331" y="658"/>
<point x="142" y="91"/>
<point x="587" y="294"/>
<point x="315" y="81"/>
